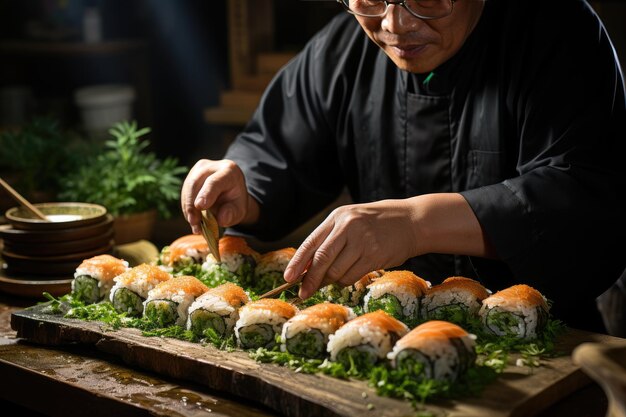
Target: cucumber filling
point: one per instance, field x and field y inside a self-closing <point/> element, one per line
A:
<point x="203" y="320"/>
<point x="162" y="313"/>
<point x="357" y="358"/>
<point x="505" y="323"/>
<point x="86" y="289"/>
<point x="389" y="304"/>
<point x="310" y="344"/>
<point x="455" y="313"/>
<point x="415" y="363"/>
<point x="127" y="301"/>
<point x="256" y="336"/>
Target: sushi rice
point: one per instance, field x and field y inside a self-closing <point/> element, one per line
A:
<point x="261" y="321"/>
<point x="218" y="309"/>
<point x="456" y="299"/>
<point x="399" y="293"/>
<point x="131" y="287"/>
<point x="443" y="351"/>
<point x="93" y="278"/>
<point x="168" y="302"/>
<point x="306" y="334"/>
<point x="520" y="311"/>
<point x="366" y="339"/>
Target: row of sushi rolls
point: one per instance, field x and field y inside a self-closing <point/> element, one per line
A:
<point x="387" y="302"/>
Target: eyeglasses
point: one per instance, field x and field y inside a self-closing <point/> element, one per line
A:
<point x="423" y="9"/>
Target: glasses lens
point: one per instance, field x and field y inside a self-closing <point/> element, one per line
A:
<point x="430" y="8"/>
<point x="366" y="7"/>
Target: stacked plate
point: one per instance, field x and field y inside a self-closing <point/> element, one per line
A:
<point x="36" y="249"/>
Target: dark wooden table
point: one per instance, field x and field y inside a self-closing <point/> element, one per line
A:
<point x="67" y="381"/>
<point x="79" y="381"/>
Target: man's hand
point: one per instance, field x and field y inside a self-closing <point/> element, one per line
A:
<point x="221" y="187"/>
<point x="352" y="241"/>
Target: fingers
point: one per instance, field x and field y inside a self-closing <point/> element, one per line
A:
<point x="216" y="185"/>
<point x="191" y="186"/>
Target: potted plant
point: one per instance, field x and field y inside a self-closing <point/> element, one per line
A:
<point x="34" y="156"/>
<point x="133" y="184"/>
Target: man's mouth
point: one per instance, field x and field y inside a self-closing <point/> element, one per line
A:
<point x="408" y="51"/>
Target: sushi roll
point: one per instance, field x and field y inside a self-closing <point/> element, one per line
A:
<point x="93" y="279"/>
<point x="398" y="293"/>
<point x="217" y="309"/>
<point x="352" y="295"/>
<point x="261" y="321"/>
<point x="168" y="302"/>
<point x="366" y="339"/>
<point x="443" y="350"/>
<point x="456" y="299"/>
<point x="306" y="334"/>
<point x="520" y="311"/>
<point x="237" y="265"/>
<point x="131" y="288"/>
<point x="269" y="271"/>
<point x="185" y="251"/>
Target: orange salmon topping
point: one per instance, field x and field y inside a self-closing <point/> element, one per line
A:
<point x="332" y="315"/>
<point x="108" y="265"/>
<point x="434" y="329"/>
<point x="186" y="283"/>
<point x="232" y="293"/>
<point x="182" y="245"/>
<point x="282" y="308"/>
<point x="236" y="244"/>
<point x="521" y="293"/>
<point x="405" y="279"/>
<point x="144" y="271"/>
<point x="277" y="255"/>
<point x="368" y="278"/>
<point x="462" y="283"/>
<point x="381" y="320"/>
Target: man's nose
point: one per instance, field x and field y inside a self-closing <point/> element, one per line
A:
<point x="399" y="20"/>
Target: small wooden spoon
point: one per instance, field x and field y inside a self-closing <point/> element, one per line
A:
<point x="21" y="200"/>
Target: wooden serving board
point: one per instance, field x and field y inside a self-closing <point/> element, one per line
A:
<point x="516" y="393"/>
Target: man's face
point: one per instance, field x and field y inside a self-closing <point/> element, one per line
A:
<point x="417" y="45"/>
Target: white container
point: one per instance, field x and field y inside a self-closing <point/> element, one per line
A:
<point x="102" y="106"/>
<point x="92" y="25"/>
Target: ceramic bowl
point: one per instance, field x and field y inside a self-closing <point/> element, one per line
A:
<point x="63" y="215"/>
<point x="42" y="248"/>
<point x="56" y="265"/>
<point x="12" y="235"/>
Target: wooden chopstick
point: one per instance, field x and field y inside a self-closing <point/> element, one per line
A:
<point x="17" y="196"/>
<point x="284" y="287"/>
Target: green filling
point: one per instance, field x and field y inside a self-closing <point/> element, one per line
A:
<point x="202" y="320"/>
<point x="256" y="336"/>
<point x="505" y="323"/>
<point x="389" y="304"/>
<point x="126" y="301"/>
<point x="162" y="313"/>
<point x="310" y="344"/>
<point x="356" y="359"/>
<point x="454" y="313"/>
<point x="349" y="295"/>
<point x="412" y="362"/>
<point x="268" y="281"/>
<point x="86" y="289"/>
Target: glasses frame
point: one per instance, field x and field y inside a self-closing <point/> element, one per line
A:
<point x="397" y="3"/>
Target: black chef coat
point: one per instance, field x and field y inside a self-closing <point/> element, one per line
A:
<point x="526" y="121"/>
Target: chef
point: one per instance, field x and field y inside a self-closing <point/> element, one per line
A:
<point x="477" y="138"/>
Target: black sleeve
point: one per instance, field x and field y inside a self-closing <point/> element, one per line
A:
<point x="556" y="223"/>
<point x="288" y="151"/>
